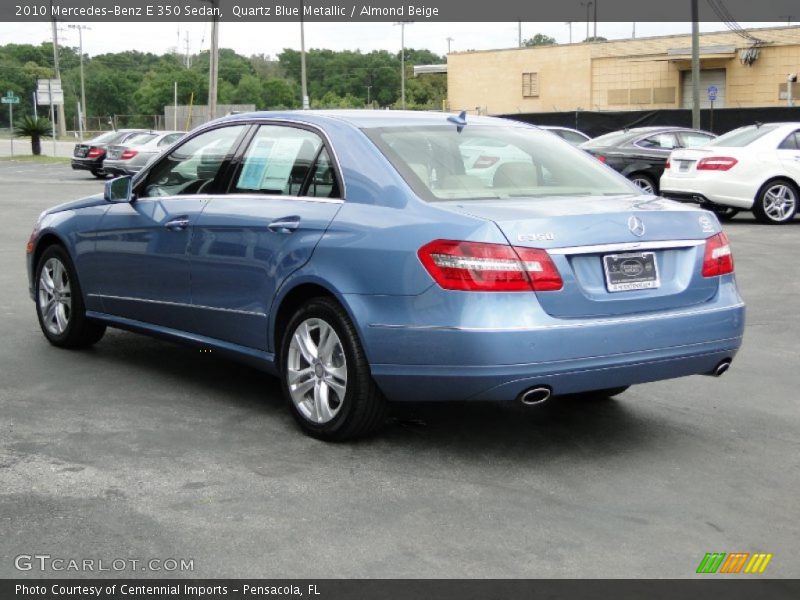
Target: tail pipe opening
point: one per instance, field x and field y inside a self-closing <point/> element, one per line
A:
<point x="721" y="367"/>
<point x="535" y="395"/>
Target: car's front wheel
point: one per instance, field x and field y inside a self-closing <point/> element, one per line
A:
<point x="776" y="202"/>
<point x="59" y="302"/>
<point x="326" y="377"/>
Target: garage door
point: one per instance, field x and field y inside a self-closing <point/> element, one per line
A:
<point x="708" y="77"/>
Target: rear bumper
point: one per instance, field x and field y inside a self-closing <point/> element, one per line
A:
<point x="498" y="361"/>
<point x="119" y="167"/>
<point x="86" y="164"/>
<point x="709" y="189"/>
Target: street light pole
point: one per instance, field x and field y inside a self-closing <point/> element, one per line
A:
<point x="449" y="39"/>
<point x="62" y="126"/>
<point x="84" y="112"/>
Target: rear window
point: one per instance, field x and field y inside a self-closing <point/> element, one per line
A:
<point x="610" y="139"/>
<point x="139" y="139"/>
<point x="481" y="162"/>
<point x="104" y="138"/>
<point x="744" y="136"/>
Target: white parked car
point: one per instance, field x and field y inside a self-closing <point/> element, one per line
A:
<point x="756" y="168"/>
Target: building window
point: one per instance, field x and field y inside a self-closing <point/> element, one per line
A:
<point x="530" y="85"/>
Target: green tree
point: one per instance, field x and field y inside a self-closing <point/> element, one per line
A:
<point x="539" y="39"/>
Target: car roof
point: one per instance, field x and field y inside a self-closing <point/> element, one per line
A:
<point x="373" y="118"/>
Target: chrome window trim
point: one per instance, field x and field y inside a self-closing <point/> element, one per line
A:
<point x="181" y="304"/>
<point x="626" y="246"/>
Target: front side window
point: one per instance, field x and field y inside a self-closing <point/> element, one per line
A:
<point x="192" y="167"/>
<point x="286" y="161"/>
<point x="439" y="163"/>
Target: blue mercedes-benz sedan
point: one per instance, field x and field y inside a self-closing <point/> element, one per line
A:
<point x="374" y="256"/>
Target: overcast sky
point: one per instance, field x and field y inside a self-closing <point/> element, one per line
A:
<point x="271" y="38"/>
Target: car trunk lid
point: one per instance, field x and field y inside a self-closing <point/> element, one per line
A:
<point x="617" y="256"/>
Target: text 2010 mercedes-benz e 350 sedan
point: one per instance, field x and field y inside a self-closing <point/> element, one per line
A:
<point x="361" y="258"/>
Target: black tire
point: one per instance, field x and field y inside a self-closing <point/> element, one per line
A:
<point x="78" y="331"/>
<point x="724" y="213"/>
<point x="765" y="206"/>
<point x="99" y="173"/>
<point x="362" y="410"/>
<point x="595" y="395"/>
<point x="642" y="180"/>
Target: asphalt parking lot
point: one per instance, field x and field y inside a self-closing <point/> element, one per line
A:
<point x="142" y="449"/>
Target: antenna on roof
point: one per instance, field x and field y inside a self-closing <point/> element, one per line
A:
<point x="460" y="120"/>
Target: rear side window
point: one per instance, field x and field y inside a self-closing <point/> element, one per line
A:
<point x="692" y="139"/>
<point x="169" y="139"/>
<point x="659" y="141"/>
<point x="792" y="141"/>
<point x="286" y="161"/>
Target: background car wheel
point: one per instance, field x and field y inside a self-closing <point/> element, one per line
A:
<point x="326" y="377"/>
<point x="776" y="202"/>
<point x="99" y="173"/>
<point x="725" y="213"/>
<point x="59" y="302"/>
<point x="645" y="182"/>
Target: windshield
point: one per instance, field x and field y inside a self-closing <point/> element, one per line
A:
<point x="738" y="138"/>
<point x="439" y="163"/>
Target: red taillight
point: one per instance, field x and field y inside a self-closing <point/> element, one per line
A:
<point x="718" y="259"/>
<point x="95" y="152"/>
<point x="600" y="157"/>
<point x="478" y="266"/>
<point x="716" y="163"/>
<point x="667" y="165"/>
<point x="484" y="162"/>
<point x="128" y="154"/>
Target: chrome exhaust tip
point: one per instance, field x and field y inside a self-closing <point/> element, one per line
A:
<point x="535" y="395"/>
<point x="723" y="366"/>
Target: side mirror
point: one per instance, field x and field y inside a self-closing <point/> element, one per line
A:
<point x="119" y="190"/>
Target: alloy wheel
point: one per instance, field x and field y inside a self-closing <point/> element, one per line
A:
<point x="316" y="371"/>
<point x="779" y="202"/>
<point x="55" y="296"/>
<point x="645" y="185"/>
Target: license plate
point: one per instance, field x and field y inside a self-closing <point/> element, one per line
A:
<point x="631" y="271"/>
<point x="683" y="165"/>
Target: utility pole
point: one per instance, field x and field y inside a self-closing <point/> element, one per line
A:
<point x="594" y="35"/>
<point x="403" y="61"/>
<point x="569" y="24"/>
<point x="695" y="66"/>
<point x="187" y="59"/>
<point x="303" y="72"/>
<point x="519" y="34"/>
<point x="588" y="5"/>
<point x="84" y="110"/>
<point x="62" y="126"/>
<point x="449" y="39"/>
<point x="369" y="100"/>
<point x="213" y="65"/>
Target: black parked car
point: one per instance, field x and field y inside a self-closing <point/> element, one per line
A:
<point x="640" y="153"/>
<point x="89" y="155"/>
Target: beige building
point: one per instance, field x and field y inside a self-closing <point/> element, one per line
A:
<point x="633" y="74"/>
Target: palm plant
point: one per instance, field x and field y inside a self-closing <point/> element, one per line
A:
<point x="35" y="128"/>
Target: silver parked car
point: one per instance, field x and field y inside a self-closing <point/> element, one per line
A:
<point x="129" y="158"/>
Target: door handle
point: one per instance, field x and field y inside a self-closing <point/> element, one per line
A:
<point x="284" y="225"/>
<point x="177" y="224"/>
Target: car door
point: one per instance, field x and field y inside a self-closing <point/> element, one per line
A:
<point x="789" y="154"/>
<point x="283" y="194"/>
<point x="141" y="267"/>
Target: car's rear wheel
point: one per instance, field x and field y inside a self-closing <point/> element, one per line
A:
<point x="645" y="182"/>
<point x="59" y="302"/>
<point x="99" y="173"/>
<point x="326" y="377"/>
<point x="776" y="202"/>
<point x="724" y="213"/>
